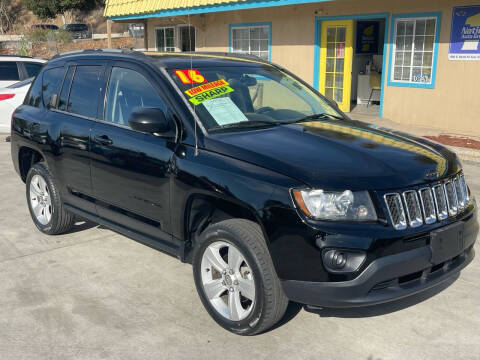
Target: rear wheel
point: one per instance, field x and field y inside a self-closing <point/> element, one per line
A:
<point x="235" y="277"/>
<point x="44" y="203"/>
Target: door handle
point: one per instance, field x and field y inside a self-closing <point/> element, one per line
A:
<point x="103" y="139"/>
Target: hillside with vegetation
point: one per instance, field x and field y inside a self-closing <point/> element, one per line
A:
<point x="17" y="18"/>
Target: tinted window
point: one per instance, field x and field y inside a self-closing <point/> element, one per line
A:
<point x="77" y="27"/>
<point x="62" y="103"/>
<point x="9" y="71"/>
<point x="32" y="68"/>
<point x="128" y="91"/>
<point x="34" y="95"/>
<point x="84" y="93"/>
<point x="52" y="79"/>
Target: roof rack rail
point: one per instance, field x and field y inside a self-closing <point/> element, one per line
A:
<point x="228" y="54"/>
<point x="98" y="51"/>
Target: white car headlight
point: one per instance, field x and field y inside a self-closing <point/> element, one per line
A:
<point x="331" y="205"/>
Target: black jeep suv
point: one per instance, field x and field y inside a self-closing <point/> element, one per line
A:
<point x="239" y="167"/>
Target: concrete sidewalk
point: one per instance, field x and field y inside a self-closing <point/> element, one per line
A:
<point x="94" y="294"/>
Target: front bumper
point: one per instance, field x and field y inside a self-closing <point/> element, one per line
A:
<point x="387" y="278"/>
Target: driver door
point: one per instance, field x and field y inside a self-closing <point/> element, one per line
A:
<point x="130" y="169"/>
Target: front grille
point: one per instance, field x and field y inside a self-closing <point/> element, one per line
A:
<point x="428" y="204"/>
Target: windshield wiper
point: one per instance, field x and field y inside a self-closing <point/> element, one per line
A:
<point x="246" y="124"/>
<point x="315" y="117"/>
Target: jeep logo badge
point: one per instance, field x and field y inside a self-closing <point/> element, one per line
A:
<point x="432" y="174"/>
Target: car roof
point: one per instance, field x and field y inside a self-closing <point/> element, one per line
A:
<point x="166" y="60"/>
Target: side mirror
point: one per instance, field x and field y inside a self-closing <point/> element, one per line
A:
<point x="152" y="121"/>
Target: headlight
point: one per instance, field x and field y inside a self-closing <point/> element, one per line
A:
<point x="328" y="205"/>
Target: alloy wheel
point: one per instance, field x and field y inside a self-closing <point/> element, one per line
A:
<point x="40" y="199"/>
<point x="228" y="281"/>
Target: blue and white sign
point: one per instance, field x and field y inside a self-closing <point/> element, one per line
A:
<point x="465" y="34"/>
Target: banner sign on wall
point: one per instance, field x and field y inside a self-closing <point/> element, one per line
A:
<point x="367" y="37"/>
<point x="465" y="34"/>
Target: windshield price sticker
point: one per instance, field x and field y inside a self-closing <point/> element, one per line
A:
<point x="205" y="87"/>
<point x="210" y="94"/>
<point x="190" y="76"/>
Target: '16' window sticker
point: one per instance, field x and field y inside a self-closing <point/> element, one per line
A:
<point x="190" y="76"/>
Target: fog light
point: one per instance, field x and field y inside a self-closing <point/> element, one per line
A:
<point x="343" y="261"/>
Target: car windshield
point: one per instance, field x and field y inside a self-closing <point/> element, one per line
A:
<point x="247" y="96"/>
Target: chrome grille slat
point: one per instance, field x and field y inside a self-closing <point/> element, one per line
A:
<point x="414" y="212"/>
<point x="396" y="211"/>
<point x="428" y="205"/>
<point x="460" y="195"/>
<point x="452" y="202"/>
<point x="463" y="185"/>
<point x="440" y="202"/>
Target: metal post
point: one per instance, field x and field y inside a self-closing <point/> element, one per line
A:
<point x="109" y="34"/>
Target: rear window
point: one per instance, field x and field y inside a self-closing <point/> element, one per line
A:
<point x="34" y="95"/>
<point x="52" y="79"/>
<point x="32" y="68"/>
<point x="9" y="71"/>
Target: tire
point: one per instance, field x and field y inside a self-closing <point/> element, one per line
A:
<point x="260" y="309"/>
<point x="53" y="220"/>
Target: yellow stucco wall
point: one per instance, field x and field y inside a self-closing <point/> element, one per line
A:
<point x="453" y="105"/>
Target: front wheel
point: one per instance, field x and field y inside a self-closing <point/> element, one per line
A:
<point x="235" y="277"/>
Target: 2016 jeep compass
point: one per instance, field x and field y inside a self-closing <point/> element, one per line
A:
<point x="239" y="167"/>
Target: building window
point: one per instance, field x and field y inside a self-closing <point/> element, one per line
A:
<point x="251" y="39"/>
<point x="414" y="50"/>
<point x="187" y="38"/>
<point x="165" y="39"/>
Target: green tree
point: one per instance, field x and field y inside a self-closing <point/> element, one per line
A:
<point x="45" y="9"/>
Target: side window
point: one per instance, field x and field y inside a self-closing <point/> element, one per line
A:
<point x="52" y="79"/>
<point x="9" y="71"/>
<point x="34" y="95"/>
<point x="32" y="68"/>
<point x="128" y="90"/>
<point x="62" y="103"/>
<point x="84" y="92"/>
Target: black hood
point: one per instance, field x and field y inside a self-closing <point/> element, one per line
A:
<point x="339" y="154"/>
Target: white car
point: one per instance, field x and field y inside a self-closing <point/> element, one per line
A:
<point x="12" y="97"/>
<point x="18" y="68"/>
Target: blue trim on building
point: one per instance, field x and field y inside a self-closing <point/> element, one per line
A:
<point x="268" y="23"/>
<point x="438" y="16"/>
<point x="318" y="37"/>
<point x="249" y="4"/>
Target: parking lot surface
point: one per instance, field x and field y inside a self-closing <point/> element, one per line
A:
<point x="94" y="294"/>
